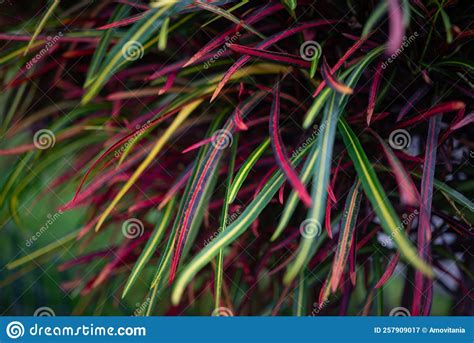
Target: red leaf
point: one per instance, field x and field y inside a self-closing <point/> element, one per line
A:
<point x="373" y="92"/>
<point x="341" y="61"/>
<point x="396" y="26"/>
<point x="441" y="108"/>
<point x="270" y="55"/>
<point x="266" y="43"/>
<point x="280" y="151"/>
<point x="332" y="81"/>
<point x="422" y="290"/>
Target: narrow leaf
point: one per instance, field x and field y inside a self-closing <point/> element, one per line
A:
<point x="150" y="247"/>
<point x="246" y="168"/>
<point x="233" y="231"/>
<point x="373" y="189"/>
<point x="180" y="118"/>
<point x="348" y="225"/>
<point x="280" y="150"/>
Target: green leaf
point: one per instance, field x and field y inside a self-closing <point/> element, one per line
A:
<point x="150" y="247"/>
<point x="41" y="25"/>
<point x="232" y="232"/>
<point x="322" y="168"/>
<point x="165" y="261"/>
<point x="374" y="17"/>
<point x="301" y="296"/>
<point x="163" y="38"/>
<point x="99" y="53"/>
<point x="135" y="38"/>
<point x="224" y="216"/>
<point x="383" y="208"/>
<point x="245" y="169"/>
<point x="293" y="199"/>
<point x="321" y="172"/>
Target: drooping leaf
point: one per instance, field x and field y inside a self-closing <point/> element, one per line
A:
<point x="233" y="231"/>
<point x="222" y="139"/>
<point x="321" y="171"/>
<point x="348" y="225"/>
<point x="408" y="192"/>
<point x="264" y="44"/>
<point x="332" y="82"/>
<point x="421" y="294"/>
<point x="373" y="189"/>
<point x="292" y="200"/>
<point x="280" y="150"/>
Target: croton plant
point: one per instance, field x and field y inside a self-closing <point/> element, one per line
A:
<point x="237" y="157"/>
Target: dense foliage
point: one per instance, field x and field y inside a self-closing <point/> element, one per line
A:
<point x="237" y="158"/>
